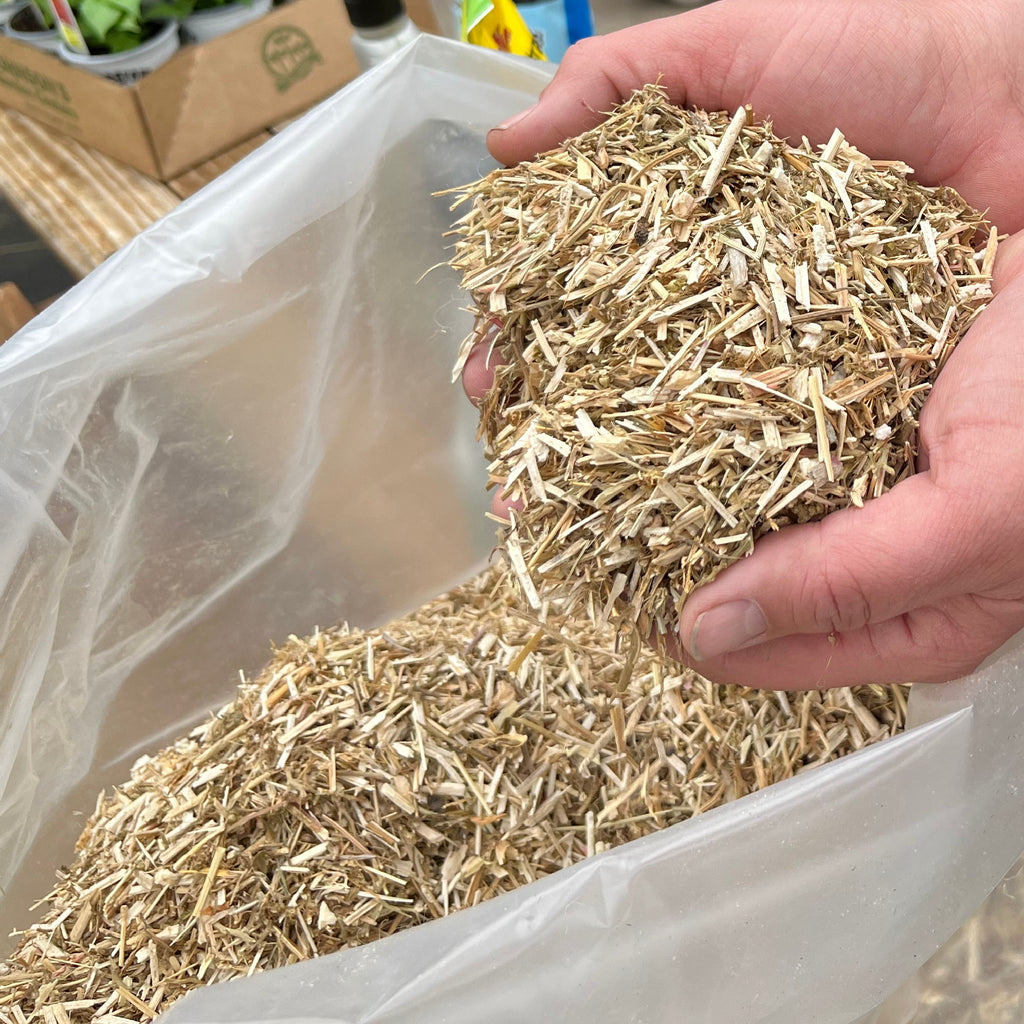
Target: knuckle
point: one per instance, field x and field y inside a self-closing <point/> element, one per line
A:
<point x="965" y="662"/>
<point x="837" y="600"/>
<point x="582" y="52"/>
<point x="961" y="636"/>
<point x="948" y="665"/>
<point x="951" y="642"/>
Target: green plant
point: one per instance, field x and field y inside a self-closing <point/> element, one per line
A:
<point x="45" y="15"/>
<point x="109" y="25"/>
<point x="113" y="26"/>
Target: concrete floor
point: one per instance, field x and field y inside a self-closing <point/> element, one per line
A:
<point x="611" y="15"/>
<point x="26" y="260"/>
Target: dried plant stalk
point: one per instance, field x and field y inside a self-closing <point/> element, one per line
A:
<point x="369" y="781"/>
<point x="978" y="975"/>
<point x="709" y="334"/>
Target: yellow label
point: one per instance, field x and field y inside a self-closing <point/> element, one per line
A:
<point x="498" y="25"/>
<point x="68" y="25"/>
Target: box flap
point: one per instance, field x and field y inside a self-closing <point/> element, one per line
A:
<point x="242" y="82"/>
<point x="96" y="111"/>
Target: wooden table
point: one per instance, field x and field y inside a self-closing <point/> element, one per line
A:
<point x="84" y="204"/>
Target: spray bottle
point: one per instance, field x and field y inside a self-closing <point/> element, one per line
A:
<point x="381" y="28"/>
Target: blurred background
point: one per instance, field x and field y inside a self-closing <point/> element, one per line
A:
<point x="611" y="15"/>
<point x="27" y="259"/>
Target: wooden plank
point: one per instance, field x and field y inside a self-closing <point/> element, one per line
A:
<point x="84" y="204"/>
<point x="15" y="310"/>
<point x="87" y="205"/>
<point x="192" y="181"/>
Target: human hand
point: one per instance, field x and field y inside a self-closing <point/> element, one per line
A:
<point x="920" y="584"/>
<point x="924" y="582"/>
<point x="938" y="84"/>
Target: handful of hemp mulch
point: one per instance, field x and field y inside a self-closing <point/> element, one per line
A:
<point x="708" y="334"/>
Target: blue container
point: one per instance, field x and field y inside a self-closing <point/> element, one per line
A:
<point x="557" y="23"/>
<point x="580" y="19"/>
<point x="547" y="21"/>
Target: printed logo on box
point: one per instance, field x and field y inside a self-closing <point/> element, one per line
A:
<point x="289" y="55"/>
<point x="36" y="86"/>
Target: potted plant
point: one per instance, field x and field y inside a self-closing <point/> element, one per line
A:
<point x="211" y="18"/>
<point x="126" y="38"/>
<point x="7" y="9"/>
<point x="32" y="22"/>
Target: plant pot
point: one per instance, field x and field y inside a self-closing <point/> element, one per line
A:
<point x="201" y="26"/>
<point x="7" y="10"/>
<point x="23" y="25"/>
<point x="131" y="65"/>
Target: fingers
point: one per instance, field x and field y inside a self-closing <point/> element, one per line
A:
<point x="597" y="73"/>
<point x="859" y="567"/>
<point x="806" y="67"/>
<point x="477" y="380"/>
<point x="930" y="644"/>
<point x="501" y="503"/>
<point x="1009" y="266"/>
<point x="478" y="373"/>
<point x="717" y="57"/>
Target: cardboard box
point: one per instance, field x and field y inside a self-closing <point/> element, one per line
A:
<point x="206" y="99"/>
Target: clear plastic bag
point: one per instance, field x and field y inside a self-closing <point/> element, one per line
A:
<point x="241" y="426"/>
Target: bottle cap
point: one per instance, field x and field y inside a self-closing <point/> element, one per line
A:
<point x="373" y="13"/>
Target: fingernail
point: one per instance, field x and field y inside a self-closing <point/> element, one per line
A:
<point x="513" y="121"/>
<point x="727" y="628"/>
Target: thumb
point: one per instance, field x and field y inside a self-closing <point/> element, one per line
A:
<point x="598" y="73"/>
<point x="855" y="567"/>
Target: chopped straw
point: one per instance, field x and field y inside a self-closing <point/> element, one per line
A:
<point x="709" y="334"/>
<point x="370" y="781"/>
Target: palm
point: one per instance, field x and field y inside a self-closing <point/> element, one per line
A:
<point x="971" y="439"/>
<point x="964" y="514"/>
